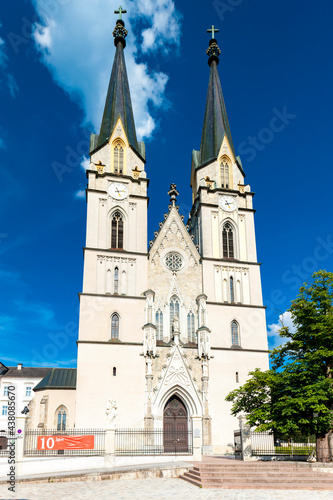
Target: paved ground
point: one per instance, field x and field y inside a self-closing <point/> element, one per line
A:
<point x="148" y="489"/>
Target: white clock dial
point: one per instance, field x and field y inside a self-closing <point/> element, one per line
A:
<point x="118" y="191"/>
<point x="228" y="203"/>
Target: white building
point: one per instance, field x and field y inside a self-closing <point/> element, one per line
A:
<point x="167" y="332"/>
<point x="23" y="379"/>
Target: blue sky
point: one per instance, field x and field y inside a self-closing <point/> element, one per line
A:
<point x="55" y="62"/>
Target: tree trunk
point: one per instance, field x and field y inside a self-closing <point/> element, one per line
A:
<point x="323" y="447"/>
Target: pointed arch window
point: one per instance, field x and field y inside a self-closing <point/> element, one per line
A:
<point x="234" y="333"/>
<point x="174" y="310"/>
<point x="159" y="324"/>
<point x="190" y="327"/>
<point x="228" y="241"/>
<point x="224" y="167"/>
<point x="115" y="326"/>
<point x="118" y="158"/>
<point x="61" y="419"/>
<point x="117" y="231"/>
<point x="232" y="292"/>
<point x="116" y="280"/>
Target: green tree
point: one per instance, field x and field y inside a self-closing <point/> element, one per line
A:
<point x="296" y="395"/>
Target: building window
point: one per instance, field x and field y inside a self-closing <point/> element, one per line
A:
<point x="115" y="326"/>
<point x="116" y="280"/>
<point x="174" y="310"/>
<point x="117" y="231"/>
<point x="190" y="327"/>
<point x="118" y="159"/>
<point x="237" y="377"/>
<point x="232" y="294"/>
<point x="159" y="324"/>
<point x="4" y="411"/>
<point x="28" y="391"/>
<point x="228" y="241"/>
<point x="5" y="390"/>
<point x="224" y="174"/>
<point x="234" y="333"/>
<point x="61" y="420"/>
<point x="114" y="371"/>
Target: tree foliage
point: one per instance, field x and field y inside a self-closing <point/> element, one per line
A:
<point x="296" y="395"/>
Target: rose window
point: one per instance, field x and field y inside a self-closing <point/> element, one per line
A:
<point x="174" y="261"/>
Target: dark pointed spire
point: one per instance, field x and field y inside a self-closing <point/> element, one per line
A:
<point x="118" y="99"/>
<point x="216" y="124"/>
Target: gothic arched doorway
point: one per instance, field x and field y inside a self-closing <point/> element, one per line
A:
<point x="175" y="435"/>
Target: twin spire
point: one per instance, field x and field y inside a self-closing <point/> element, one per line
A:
<point x="216" y="123"/>
<point x="118" y="102"/>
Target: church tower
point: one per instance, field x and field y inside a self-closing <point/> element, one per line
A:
<point x="115" y="255"/>
<point x="167" y="333"/>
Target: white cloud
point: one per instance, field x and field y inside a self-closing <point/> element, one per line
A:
<point x="273" y="335"/>
<point x="85" y="163"/>
<point x="8" y="79"/>
<point x="76" y="44"/>
<point x="81" y="194"/>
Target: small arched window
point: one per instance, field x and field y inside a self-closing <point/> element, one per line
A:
<point x="190" y="327"/>
<point x="114" y="326"/>
<point x="159" y="324"/>
<point x="232" y="293"/>
<point x="117" y="231"/>
<point x="61" y="419"/>
<point x="116" y="280"/>
<point x="234" y="333"/>
<point x="228" y="241"/>
<point x="224" y="174"/>
<point x="118" y="158"/>
<point x="114" y="371"/>
<point x="174" y="310"/>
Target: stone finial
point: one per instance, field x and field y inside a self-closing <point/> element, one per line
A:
<point x="173" y="193"/>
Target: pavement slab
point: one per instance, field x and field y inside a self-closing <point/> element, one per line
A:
<point x="148" y="489"/>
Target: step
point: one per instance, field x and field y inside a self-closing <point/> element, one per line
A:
<point x="273" y="475"/>
<point x="260" y="486"/>
<point x="264" y="479"/>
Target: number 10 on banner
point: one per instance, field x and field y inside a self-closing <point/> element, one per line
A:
<point x="65" y="442"/>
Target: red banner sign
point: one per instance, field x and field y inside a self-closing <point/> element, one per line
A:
<point x="65" y="443"/>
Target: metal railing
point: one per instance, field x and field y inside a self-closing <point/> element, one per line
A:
<point x="266" y="443"/>
<point x="153" y="442"/>
<point x="52" y="435"/>
<point x="4" y="443"/>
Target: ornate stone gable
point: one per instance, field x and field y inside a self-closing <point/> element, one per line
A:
<point x="173" y="234"/>
<point x="176" y="374"/>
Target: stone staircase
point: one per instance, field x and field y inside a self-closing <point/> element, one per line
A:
<point x="234" y="474"/>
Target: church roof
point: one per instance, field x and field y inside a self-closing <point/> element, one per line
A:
<point x="118" y="100"/>
<point x="58" y="378"/>
<point x="216" y="124"/>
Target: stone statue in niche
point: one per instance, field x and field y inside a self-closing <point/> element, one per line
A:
<point x="204" y="344"/>
<point x="149" y="342"/>
<point x="175" y="324"/>
<point x="111" y="413"/>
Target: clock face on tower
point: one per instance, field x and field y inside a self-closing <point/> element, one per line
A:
<point x="118" y="191"/>
<point x="228" y="203"/>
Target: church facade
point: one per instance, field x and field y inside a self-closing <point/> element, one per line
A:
<point x="167" y="332"/>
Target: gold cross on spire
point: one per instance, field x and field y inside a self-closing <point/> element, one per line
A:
<point x="120" y="11"/>
<point x="213" y="31"/>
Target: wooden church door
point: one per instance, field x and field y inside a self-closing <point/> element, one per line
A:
<point x="175" y="435"/>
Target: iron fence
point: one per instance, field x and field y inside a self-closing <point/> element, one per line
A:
<point x="5" y="438"/>
<point x="46" y="442"/>
<point x="238" y="444"/>
<point x="266" y="443"/>
<point x="153" y="442"/>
